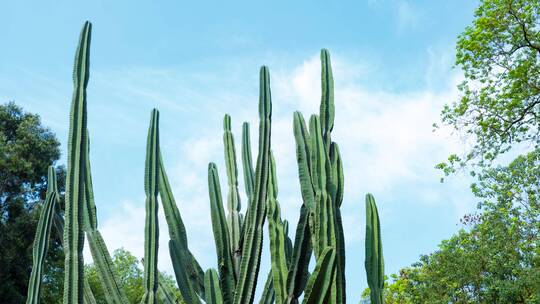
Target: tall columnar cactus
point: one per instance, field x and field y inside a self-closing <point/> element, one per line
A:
<point x="233" y="198"/>
<point x="76" y="174"/>
<point x="151" y="234"/>
<point x="253" y="230"/>
<point x="221" y="236"/>
<point x="374" y="254"/>
<point x="238" y="238"/>
<point x="321" y="179"/>
<point x="41" y="241"/>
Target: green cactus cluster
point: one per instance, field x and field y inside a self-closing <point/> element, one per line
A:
<point x="238" y="237"/>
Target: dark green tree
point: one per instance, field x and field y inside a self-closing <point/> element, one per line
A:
<point x="26" y="150"/>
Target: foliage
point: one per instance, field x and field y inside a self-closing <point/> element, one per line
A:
<point x="500" y="102"/>
<point x="27" y="148"/>
<point x="130" y="275"/>
<point x="495" y="261"/>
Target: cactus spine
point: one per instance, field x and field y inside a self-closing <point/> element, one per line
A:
<point x="374" y="255"/>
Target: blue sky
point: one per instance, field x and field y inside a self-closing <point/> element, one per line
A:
<point x="197" y="61"/>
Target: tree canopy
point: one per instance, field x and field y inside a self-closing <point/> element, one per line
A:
<point x="27" y="148"/>
<point x="499" y="106"/>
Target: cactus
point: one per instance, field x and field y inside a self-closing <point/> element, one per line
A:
<point x="151" y="230"/>
<point x="100" y="254"/>
<point x="233" y="198"/>
<point x="321" y="179"/>
<point x="374" y="255"/>
<point x="189" y="274"/>
<point x="221" y="236"/>
<point x="238" y="238"/>
<point x="211" y="287"/>
<point x="41" y="241"/>
<point x="76" y="172"/>
<point x="320" y="282"/>
<point x="253" y="230"/>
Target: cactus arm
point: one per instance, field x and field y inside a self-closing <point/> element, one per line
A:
<point x="106" y="269"/>
<point x="327" y="98"/>
<point x="88" y="294"/>
<point x="180" y="259"/>
<point x="303" y="140"/>
<point x="374" y="256"/>
<point x="337" y="184"/>
<point x="277" y="237"/>
<point x="233" y="198"/>
<point x="151" y="231"/>
<point x="301" y="254"/>
<point x="74" y="220"/>
<point x="253" y="235"/>
<point x="98" y="249"/>
<point x="188" y="270"/>
<point x="212" y="288"/>
<point x="268" y="294"/>
<point x="165" y="296"/>
<point x="41" y="240"/>
<point x="90" y="213"/>
<point x="247" y="162"/>
<point x="221" y="236"/>
<point x="288" y="243"/>
<point x="319" y="283"/>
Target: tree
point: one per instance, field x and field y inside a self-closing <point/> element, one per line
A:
<point x="130" y="276"/>
<point x="499" y="106"/>
<point x="26" y="150"/>
<point x="494" y="261"/>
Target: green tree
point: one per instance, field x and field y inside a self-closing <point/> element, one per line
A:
<point x="130" y="276"/>
<point x="500" y="96"/>
<point x="26" y="150"/>
<point x="493" y="261"/>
